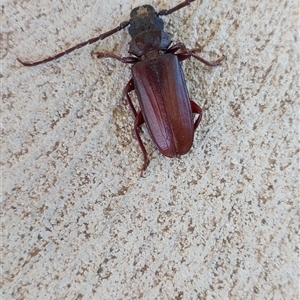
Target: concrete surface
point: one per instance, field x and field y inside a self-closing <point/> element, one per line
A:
<point x="78" y="222"/>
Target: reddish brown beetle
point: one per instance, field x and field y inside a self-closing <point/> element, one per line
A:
<point x="157" y="79"/>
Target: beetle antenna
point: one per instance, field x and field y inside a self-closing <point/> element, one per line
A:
<point x="90" y="41"/>
<point x="165" y="12"/>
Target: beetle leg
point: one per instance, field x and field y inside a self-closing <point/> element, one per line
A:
<point x="127" y="59"/>
<point x="187" y="53"/>
<point x="139" y="120"/>
<point x="181" y="46"/>
<point x="184" y="55"/>
<point x="130" y="87"/>
<point x="208" y="63"/>
<point x="176" y="47"/>
<point x="196" y="109"/>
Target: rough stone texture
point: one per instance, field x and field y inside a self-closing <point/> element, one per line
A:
<point x="78" y="222"/>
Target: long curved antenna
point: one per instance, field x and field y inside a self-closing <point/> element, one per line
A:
<point x="90" y="41"/>
<point x="102" y="36"/>
<point x="165" y="12"/>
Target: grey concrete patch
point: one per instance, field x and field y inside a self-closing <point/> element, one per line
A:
<point x="78" y="220"/>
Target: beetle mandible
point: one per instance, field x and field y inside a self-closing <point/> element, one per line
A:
<point x="157" y="78"/>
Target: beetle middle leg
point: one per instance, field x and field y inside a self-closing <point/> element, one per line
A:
<point x="139" y="119"/>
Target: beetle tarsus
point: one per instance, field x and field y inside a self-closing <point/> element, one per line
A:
<point x="145" y="165"/>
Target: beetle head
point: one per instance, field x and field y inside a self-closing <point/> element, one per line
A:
<point x="143" y="18"/>
<point x="142" y="11"/>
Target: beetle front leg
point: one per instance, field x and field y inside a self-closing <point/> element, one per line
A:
<point x="187" y="53"/>
<point x="208" y="63"/>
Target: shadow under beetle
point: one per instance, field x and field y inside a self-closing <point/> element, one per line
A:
<point x="158" y="80"/>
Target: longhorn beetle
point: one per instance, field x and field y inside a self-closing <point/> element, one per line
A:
<point x="157" y="78"/>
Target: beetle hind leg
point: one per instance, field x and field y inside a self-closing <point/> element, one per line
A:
<point x="196" y="109"/>
<point x="139" y="120"/>
<point x="137" y="123"/>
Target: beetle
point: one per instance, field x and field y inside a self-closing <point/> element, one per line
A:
<point x="157" y="79"/>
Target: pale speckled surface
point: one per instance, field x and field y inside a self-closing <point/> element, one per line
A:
<point x="79" y="222"/>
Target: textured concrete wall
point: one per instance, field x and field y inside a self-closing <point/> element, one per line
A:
<point x="78" y="220"/>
